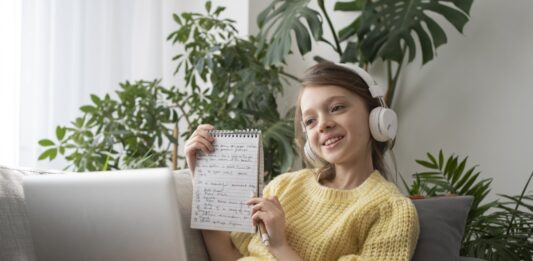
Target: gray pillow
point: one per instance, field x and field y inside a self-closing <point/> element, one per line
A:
<point x="442" y="223"/>
<point x="15" y="237"/>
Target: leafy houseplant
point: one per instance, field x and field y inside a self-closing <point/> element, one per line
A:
<point x="226" y="84"/>
<point x="383" y="30"/>
<point x="127" y="132"/>
<point x="497" y="230"/>
<point x="243" y="90"/>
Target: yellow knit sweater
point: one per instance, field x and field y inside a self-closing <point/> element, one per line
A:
<point x="371" y="222"/>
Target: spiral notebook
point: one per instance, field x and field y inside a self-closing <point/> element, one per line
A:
<point x="225" y="179"/>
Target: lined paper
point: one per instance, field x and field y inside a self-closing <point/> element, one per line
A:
<point x="223" y="182"/>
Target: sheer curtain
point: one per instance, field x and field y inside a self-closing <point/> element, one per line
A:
<point x="55" y="53"/>
<point x="74" y="48"/>
<point x="10" y="23"/>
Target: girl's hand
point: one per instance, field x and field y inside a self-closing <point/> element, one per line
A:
<point x="199" y="140"/>
<point x="270" y="212"/>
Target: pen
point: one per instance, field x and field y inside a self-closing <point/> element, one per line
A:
<point x="262" y="230"/>
<point x="264" y="234"/>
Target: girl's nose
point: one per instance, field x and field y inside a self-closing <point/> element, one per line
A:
<point x="325" y="124"/>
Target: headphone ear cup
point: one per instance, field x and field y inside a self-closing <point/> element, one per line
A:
<point x="383" y="124"/>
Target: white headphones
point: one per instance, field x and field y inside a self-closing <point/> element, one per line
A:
<point x="382" y="121"/>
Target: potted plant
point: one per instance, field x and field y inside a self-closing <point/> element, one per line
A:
<point x="497" y="230"/>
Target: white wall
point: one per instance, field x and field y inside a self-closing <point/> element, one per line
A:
<point x="472" y="99"/>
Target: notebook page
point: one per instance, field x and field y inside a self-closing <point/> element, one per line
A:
<point x="223" y="181"/>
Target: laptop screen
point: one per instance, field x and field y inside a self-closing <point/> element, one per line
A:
<point x="121" y="215"/>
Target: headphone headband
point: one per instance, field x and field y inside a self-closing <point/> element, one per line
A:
<point x="375" y="90"/>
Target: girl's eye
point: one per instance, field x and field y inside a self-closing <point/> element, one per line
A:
<point x="308" y="122"/>
<point x="337" y="107"/>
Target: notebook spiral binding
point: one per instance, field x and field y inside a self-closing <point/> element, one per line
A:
<point x="247" y="133"/>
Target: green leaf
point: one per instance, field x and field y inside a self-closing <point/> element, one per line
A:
<point x="350" y="53"/>
<point x="450" y="165"/>
<point x="426" y="164"/>
<point x="88" y="109"/>
<point x="96" y="100"/>
<point x="356" y="5"/>
<point x="387" y="27"/>
<point x="468" y="186"/>
<point x="433" y="161"/>
<point x="219" y="10"/>
<point x="281" y="18"/>
<point x="60" y="132"/>
<point x="425" y="44"/>
<point x="441" y="159"/>
<point x="459" y="171"/>
<point x="46" y="143"/>
<point x="304" y="40"/>
<point x="437" y="33"/>
<point x="44" y="155"/>
<point x="53" y="154"/>
<point x="350" y="30"/>
<point x="49" y="153"/>
<point x="208" y="6"/>
<point x="176" y="18"/>
<point x="465" y="177"/>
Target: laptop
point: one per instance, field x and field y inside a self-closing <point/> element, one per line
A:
<point x="120" y="215"/>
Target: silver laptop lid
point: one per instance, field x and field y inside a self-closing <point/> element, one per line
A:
<point x="122" y="215"/>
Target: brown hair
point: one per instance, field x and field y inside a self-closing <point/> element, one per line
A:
<point x="327" y="73"/>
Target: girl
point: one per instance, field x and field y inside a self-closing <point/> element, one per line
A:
<point x="343" y="208"/>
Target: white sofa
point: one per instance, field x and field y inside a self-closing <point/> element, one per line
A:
<point x="438" y="239"/>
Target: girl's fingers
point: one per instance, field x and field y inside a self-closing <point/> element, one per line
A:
<point x="265" y="205"/>
<point x="204" y="134"/>
<point x="258" y="206"/>
<point x="200" y="140"/>
<point x="260" y="216"/>
<point x="253" y="201"/>
<point x="206" y="127"/>
<point x="203" y="131"/>
<point x="199" y="143"/>
<point x="276" y="202"/>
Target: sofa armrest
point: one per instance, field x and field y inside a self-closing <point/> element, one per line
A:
<point x="193" y="240"/>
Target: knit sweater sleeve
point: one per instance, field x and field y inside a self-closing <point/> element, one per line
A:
<point x="394" y="234"/>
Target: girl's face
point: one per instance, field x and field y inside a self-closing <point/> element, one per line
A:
<point x="336" y="121"/>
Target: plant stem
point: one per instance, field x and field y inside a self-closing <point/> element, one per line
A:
<point x="390" y="93"/>
<point x="330" y="24"/>
<point x="184" y="114"/>
<point x="292" y="77"/>
<point x="175" y="134"/>
<point x="389" y="73"/>
<point x="518" y="204"/>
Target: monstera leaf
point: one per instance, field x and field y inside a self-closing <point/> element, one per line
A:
<point x="385" y="28"/>
<point x="281" y="18"/>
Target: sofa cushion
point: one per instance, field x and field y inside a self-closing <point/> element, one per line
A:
<point x="442" y="222"/>
<point x="15" y="235"/>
